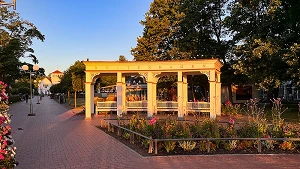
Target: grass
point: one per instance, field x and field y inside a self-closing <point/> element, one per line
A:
<point x="290" y="115"/>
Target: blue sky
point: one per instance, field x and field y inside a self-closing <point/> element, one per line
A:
<point x="76" y="30"/>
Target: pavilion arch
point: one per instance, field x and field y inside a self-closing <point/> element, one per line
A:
<point x="151" y="71"/>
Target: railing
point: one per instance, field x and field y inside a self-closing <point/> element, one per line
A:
<point x="160" y="106"/>
<point x="106" y="106"/>
<point x="137" y="106"/>
<point x="153" y="143"/>
<point x="166" y="106"/>
<point x="198" y="106"/>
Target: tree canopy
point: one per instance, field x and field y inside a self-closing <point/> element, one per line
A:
<point x="16" y="38"/>
<point x="257" y="41"/>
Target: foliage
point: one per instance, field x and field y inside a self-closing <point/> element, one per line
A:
<point x="7" y="150"/>
<point x="169" y="146"/>
<point x="277" y="111"/>
<point x="187" y="145"/>
<point x="229" y="109"/>
<point x="256" y="127"/>
<point x="78" y="76"/>
<point x="207" y="146"/>
<point x="287" y="145"/>
<point x="126" y="135"/>
<point x="159" y="40"/>
<point x="14" y="98"/>
<point x="16" y="38"/>
<point x="267" y="39"/>
<point x="230" y="145"/>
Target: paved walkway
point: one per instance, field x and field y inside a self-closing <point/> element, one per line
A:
<point x="57" y="139"/>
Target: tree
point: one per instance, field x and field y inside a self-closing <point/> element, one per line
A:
<point x="78" y="78"/>
<point x="122" y="58"/>
<point x="267" y="33"/>
<point x="16" y="37"/>
<point x="159" y="40"/>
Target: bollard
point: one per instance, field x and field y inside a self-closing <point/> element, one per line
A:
<point x="150" y="150"/>
<point x="108" y="127"/>
<point x="155" y="148"/>
<point x="258" y="145"/>
<point x="208" y="146"/>
<point x="118" y="131"/>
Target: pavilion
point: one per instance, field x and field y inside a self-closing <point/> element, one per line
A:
<point x="152" y="71"/>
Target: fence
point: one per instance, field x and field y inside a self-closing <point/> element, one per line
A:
<point x="153" y="143"/>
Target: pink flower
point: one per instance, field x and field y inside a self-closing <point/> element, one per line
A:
<point x="1" y="157"/>
<point x="231" y="121"/>
<point x="152" y="121"/>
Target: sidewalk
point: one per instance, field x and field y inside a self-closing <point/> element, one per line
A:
<point x="56" y="138"/>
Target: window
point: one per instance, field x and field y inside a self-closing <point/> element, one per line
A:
<point x="244" y="93"/>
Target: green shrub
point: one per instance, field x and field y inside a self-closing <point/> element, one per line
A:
<point x="14" y="98"/>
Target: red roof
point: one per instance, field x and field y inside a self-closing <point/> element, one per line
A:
<point x="57" y="71"/>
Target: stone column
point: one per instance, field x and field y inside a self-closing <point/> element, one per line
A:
<point x="185" y="94"/>
<point x="124" y="108"/>
<point x="180" y="94"/>
<point x="149" y="94"/>
<point x="218" y="95"/>
<point x="119" y="94"/>
<point x="88" y="100"/>
<point x="154" y="97"/>
<point x="212" y="94"/>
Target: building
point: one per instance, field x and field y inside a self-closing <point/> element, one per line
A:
<point x="47" y="82"/>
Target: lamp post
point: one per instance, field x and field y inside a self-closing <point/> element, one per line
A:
<point x="13" y="4"/>
<point x="35" y="68"/>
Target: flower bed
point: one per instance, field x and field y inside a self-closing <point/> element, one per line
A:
<point x="169" y="136"/>
<point x="7" y="150"/>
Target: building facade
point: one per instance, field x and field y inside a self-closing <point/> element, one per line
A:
<point x="47" y="82"/>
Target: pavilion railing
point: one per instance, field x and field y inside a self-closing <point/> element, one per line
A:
<point x="166" y="106"/>
<point x="160" y="106"/>
<point x="198" y="106"/>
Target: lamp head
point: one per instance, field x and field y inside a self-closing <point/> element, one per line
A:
<point x="25" y="67"/>
<point x="35" y="67"/>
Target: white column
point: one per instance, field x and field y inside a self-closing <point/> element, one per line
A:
<point x="119" y="94"/>
<point x="150" y="95"/>
<point x="154" y="98"/>
<point x="185" y="94"/>
<point x="212" y="94"/>
<point x="180" y="94"/>
<point x="218" y="95"/>
<point x="124" y="109"/>
<point x="92" y="99"/>
<point x="88" y="102"/>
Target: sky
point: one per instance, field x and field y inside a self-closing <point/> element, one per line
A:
<point x="77" y="30"/>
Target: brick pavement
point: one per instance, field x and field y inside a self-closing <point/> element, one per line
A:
<point x="57" y="139"/>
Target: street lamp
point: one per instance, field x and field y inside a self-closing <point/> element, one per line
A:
<point x="13" y="4"/>
<point x="35" y="68"/>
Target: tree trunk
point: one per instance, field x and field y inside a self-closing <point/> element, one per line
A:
<point x="69" y="97"/>
<point x="230" y="93"/>
<point x="75" y="99"/>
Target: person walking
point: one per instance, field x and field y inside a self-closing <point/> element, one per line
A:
<point x="26" y="97"/>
